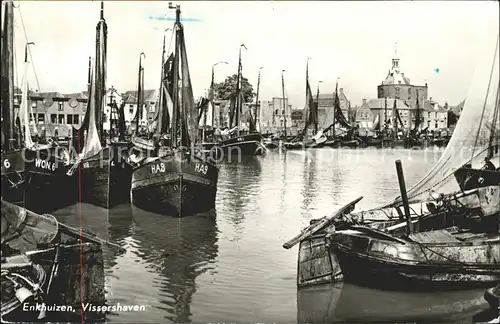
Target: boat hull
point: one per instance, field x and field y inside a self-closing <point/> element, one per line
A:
<point x="37" y="180"/>
<point x="249" y="144"/>
<point x="176" y="184"/>
<point x="419" y="265"/>
<point x="104" y="179"/>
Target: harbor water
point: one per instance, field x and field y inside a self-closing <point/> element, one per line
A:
<point x="229" y="266"/>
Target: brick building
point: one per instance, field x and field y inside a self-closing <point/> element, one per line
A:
<point x="398" y="86"/>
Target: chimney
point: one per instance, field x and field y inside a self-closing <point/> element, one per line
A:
<point x="341" y="90"/>
<point x="364" y="101"/>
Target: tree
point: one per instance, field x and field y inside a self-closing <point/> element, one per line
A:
<point x="224" y="90"/>
<point x="452" y="118"/>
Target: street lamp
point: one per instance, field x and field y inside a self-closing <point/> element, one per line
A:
<point x="213" y="72"/>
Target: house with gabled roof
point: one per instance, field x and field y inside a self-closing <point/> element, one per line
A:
<point x="58" y="108"/>
<point x="151" y="97"/>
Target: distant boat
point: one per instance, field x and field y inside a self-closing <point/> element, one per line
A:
<point x="237" y="141"/>
<point x="33" y="175"/>
<point x="104" y="171"/>
<point x="177" y="180"/>
<point x="311" y="115"/>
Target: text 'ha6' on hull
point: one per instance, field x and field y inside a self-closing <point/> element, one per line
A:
<point x="177" y="184"/>
<point x="37" y="180"/>
<point x="105" y="177"/>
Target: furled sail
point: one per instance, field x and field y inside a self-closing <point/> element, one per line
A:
<point x="376" y="123"/>
<point x="474" y="135"/>
<point x="92" y="142"/>
<point x="188" y="106"/>
<point x="311" y="109"/>
<point x="24" y="111"/>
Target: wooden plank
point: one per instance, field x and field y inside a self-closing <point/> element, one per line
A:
<point x="314" y="263"/>
<point x="439" y="236"/>
<point x="311" y="229"/>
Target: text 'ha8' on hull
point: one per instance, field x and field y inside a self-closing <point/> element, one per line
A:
<point x="176" y="184"/>
<point x="37" y="180"/>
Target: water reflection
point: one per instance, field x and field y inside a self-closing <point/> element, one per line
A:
<point x="351" y="303"/>
<point x="309" y="188"/>
<point x="238" y="187"/>
<point x="174" y="252"/>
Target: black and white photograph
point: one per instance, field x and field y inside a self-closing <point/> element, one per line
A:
<point x="250" y="161"/>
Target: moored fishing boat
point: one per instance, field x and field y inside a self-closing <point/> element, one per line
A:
<point x="238" y="142"/>
<point x="33" y="175"/>
<point x="179" y="181"/>
<point x="102" y="170"/>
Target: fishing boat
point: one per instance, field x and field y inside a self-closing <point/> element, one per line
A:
<point x="345" y="134"/>
<point x="438" y="232"/>
<point x="42" y="266"/>
<point x="103" y="169"/>
<point x="238" y="141"/>
<point x="33" y="175"/>
<point x="179" y="181"/>
<point x="311" y="113"/>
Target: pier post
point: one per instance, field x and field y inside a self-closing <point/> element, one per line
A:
<point x="404" y="197"/>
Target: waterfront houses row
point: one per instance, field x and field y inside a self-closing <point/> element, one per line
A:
<point x="395" y="91"/>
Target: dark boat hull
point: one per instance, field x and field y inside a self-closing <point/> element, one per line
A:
<point x="376" y="271"/>
<point x="37" y="180"/>
<point x="492" y="296"/>
<point x="249" y="144"/>
<point x="177" y="185"/>
<point x="104" y="179"/>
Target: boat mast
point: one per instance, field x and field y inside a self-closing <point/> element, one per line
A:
<point x="307" y="105"/>
<point x="175" y="68"/>
<point x="317" y="105"/>
<point x="160" y="100"/>
<point x="100" y="75"/>
<point x="8" y="76"/>
<point x="257" y="105"/>
<point x="395" y="123"/>
<point x="239" y="84"/>
<point x="284" y="103"/>
<point x="335" y="107"/>
<point x="138" y="114"/>
<point x="417" y="115"/>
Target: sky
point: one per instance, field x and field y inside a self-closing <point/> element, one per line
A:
<point x="440" y="43"/>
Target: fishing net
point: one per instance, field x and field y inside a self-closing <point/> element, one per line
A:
<point x="25" y="229"/>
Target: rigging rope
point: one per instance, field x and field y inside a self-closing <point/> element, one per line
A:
<point x="485" y="99"/>
<point x="29" y="49"/>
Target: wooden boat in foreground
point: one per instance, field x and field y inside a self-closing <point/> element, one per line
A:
<point x="180" y="181"/>
<point x="32" y="175"/>
<point x="42" y="265"/>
